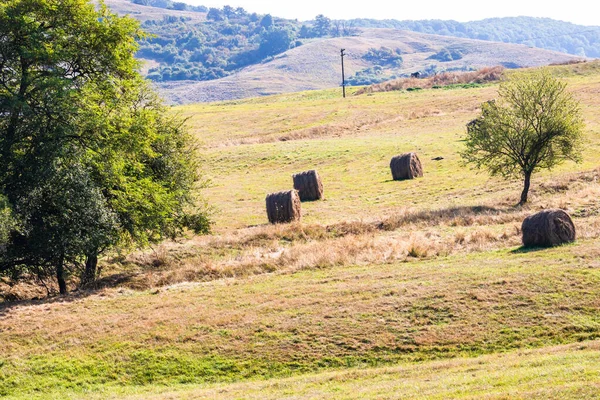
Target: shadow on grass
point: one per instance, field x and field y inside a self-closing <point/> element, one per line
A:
<point x="534" y="249"/>
<point x="111" y="281"/>
<point x="525" y="250"/>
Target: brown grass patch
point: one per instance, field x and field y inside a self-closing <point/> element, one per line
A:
<point x="484" y="75"/>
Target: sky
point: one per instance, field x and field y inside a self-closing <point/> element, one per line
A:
<point x="577" y="11"/>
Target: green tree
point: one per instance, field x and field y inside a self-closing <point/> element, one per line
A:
<point x="275" y="41"/>
<point x="267" y="21"/>
<point x="215" y="14"/>
<point x="322" y="26"/>
<point x="90" y="157"/>
<point x="535" y="124"/>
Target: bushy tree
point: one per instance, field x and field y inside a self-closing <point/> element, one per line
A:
<point x="267" y="21"/>
<point x="215" y="14"/>
<point x="275" y="41"/>
<point x="89" y="156"/>
<point x="535" y="124"/>
<point x="322" y="26"/>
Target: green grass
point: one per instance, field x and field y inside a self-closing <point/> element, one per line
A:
<point x="331" y="309"/>
<point x="252" y="148"/>
<point x="288" y="324"/>
<point x="553" y="373"/>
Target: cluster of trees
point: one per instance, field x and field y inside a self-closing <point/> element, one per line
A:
<point x="451" y="53"/>
<point x="384" y="56"/>
<point x="387" y="63"/>
<point x="90" y="158"/>
<point x="323" y="26"/>
<point x="230" y="39"/>
<point x="536" y="32"/>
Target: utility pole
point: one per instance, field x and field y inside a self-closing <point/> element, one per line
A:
<point x="343" y="78"/>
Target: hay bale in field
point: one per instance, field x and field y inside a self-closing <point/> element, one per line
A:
<point x="548" y="228"/>
<point x="406" y="166"/>
<point x="309" y="185"/>
<point x="283" y="207"/>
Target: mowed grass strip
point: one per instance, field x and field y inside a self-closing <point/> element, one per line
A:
<point x="287" y="324"/>
<point x="561" y="372"/>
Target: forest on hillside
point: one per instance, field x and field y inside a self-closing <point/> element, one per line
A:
<point x="232" y="38"/>
<point x="544" y="33"/>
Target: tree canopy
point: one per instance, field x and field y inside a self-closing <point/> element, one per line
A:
<point x="535" y="124"/>
<point x="90" y="157"/>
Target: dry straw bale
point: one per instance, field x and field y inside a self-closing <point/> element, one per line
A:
<point x="548" y="228"/>
<point x="406" y="166"/>
<point x="309" y="185"/>
<point x="283" y="206"/>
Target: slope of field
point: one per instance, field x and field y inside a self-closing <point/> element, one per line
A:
<point x="416" y="288"/>
<point x="560" y="372"/>
<point x="316" y="65"/>
<point x="252" y="148"/>
<point x="286" y="324"/>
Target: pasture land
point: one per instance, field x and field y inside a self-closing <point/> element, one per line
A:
<point x="385" y="289"/>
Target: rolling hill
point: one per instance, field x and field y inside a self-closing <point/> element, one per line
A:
<point x="316" y="64"/>
<point x="228" y="68"/>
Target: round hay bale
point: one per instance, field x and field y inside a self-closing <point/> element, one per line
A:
<point x="283" y="207"/>
<point x="406" y="166"/>
<point x="309" y="185"/>
<point x="548" y="228"/>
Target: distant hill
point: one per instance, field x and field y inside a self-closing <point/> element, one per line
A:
<point x="316" y="65"/>
<point x="191" y="44"/>
<point x="544" y="33"/>
<point x="231" y="53"/>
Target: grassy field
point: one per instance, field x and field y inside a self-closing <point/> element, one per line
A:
<point x="385" y="290"/>
<point x="553" y="373"/>
<point x="252" y="148"/>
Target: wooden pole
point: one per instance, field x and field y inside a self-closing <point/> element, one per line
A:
<point x="343" y="77"/>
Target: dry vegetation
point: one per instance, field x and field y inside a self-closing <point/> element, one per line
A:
<point x="482" y="76"/>
<point x="378" y="273"/>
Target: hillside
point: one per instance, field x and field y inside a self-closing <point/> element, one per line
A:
<point x="316" y="65"/>
<point x="544" y="33"/>
<point x="385" y="290"/>
<point x="231" y="53"/>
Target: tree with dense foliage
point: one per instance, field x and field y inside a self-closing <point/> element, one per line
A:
<point x="275" y="41"/>
<point x="215" y="14"/>
<point x="535" y="124"/>
<point x="322" y="26"/>
<point x="89" y="156"/>
<point x="267" y="21"/>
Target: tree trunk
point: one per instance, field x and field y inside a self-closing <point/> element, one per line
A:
<point x="60" y="276"/>
<point x="91" y="268"/>
<point x="526" y="185"/>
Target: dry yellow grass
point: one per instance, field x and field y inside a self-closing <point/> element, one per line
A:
<point x="379" y="273"/>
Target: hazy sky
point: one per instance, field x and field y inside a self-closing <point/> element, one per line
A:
<point x="578" y="12"/>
